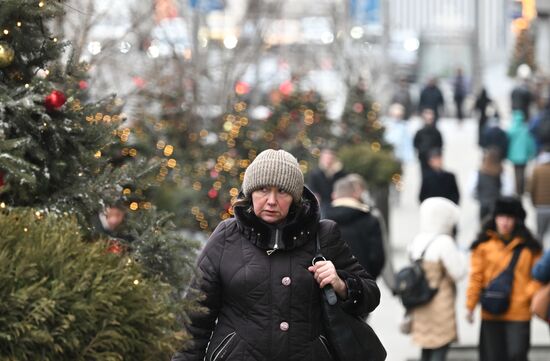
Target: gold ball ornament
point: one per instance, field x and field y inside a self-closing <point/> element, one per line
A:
<point x="7" y="54"/>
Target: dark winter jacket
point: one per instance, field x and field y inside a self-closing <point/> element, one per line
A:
<point x="321" y="184"/>
<point x="427" y="139"/>
<point x="264" y="304"/>
<point x="439" y="184"/>
<point x="431" y="98"/>
<point x="362" y="232"/>
<point x="488" y="188"/>
<point x="495" y="137"/>
<point x="521" y="98"/>
<point x="540" y="128"/>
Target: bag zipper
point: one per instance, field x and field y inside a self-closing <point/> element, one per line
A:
<point x="324" y="341"/>
<point x="222" y="346"/>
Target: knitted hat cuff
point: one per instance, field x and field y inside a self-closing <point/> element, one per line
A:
<point x="274" y="168"/>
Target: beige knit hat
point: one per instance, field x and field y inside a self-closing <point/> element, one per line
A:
<point x="274" y="168"/>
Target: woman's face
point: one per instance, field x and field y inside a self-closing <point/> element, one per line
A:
<point x="271" y="204"/>
<point x="505" y="224"/>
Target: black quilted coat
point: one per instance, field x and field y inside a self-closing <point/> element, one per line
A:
<point x="264" y="304"/>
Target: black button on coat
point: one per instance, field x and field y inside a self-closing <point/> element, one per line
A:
<point x="252" y="314"/>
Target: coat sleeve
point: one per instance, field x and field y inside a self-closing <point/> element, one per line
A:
<point x="531" y="185"/>
<point x="452" y="258"/>
<point x="475" y="281"/>
<point x="541" y="270"/>
<point x="455" y="193"/>
<point x="363" y="293"/>
<point x="208" y="284"/>
<point x="375" y="256"/>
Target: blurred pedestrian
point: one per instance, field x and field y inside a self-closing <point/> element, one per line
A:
<point x="541" y="272"/>
<point x="460" y="91"/>
<point x="521" y="148"/>
<point x="426" y="139"/>
<point x="397" y="133"/>
<point x="438" y="182"/>
<point x="321" y="180"/>
<point x="490" y="182"/>
<point x="431" y="98"/>
<point x="109" y="224"/>
<point x="434" y="325"/>
<point x="261" y="295"/>
<point x="482" y="101"/>
<point x="539" y="189"/>
<point x="521" y="96"/>
<point x="540" y="127"/>
<point x="504" y="336"/>
<point x="493" y="136"/>
<point x="402" y="96"/>
<point x="360" y="228"/>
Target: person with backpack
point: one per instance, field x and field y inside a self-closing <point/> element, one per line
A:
<point x="502" y="258"/>
<point x="434" y="324"/>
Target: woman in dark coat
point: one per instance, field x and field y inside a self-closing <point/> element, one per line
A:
<point x="262" y="294"/>
<point x="482" y="101"/>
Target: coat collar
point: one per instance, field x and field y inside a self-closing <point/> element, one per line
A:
<point x="508" y="246"/>
<point x="300" y="226"/>
<point x="350" y="202"/>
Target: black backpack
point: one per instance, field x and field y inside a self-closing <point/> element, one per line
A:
<point x="495" y="298"/>
<point x="411" y="284"/>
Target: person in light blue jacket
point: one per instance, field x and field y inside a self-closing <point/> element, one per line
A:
<point x="521" y="148"/>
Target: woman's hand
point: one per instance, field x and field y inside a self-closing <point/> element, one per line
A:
<point x="470" y="316"/>
<point x="324" y="273"/>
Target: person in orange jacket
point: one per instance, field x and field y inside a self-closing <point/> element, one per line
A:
<point x="504" y="337"/>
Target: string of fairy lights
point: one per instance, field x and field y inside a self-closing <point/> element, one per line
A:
<point x="227" y="167"/>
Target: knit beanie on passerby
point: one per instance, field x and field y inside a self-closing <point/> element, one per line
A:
<point x="274" y="168"/>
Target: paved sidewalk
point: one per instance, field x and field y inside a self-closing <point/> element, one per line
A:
<point x="461" y="156"/>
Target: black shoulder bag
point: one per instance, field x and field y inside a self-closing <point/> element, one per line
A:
<point x="351" y="338"/>
<point x="495" y="298"/>
<point x="411" y="284"/>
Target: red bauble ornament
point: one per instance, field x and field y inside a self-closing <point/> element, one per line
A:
<point x="212" y="193"/>
<point x="358" y="107"/>
<point x="115" y="247"/>
<point x="242" y="87"/>
<point x="55" y="100"/>
<point x="138" y="82"/>
<point x="83" y="84"/>
<point x="286" y="88"/>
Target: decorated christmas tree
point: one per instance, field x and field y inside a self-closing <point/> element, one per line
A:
<point x="296" y="121"/>
<point x="204" y="161"/>
<point x="361" y="118"/>
<point x="65" y="299"/>
<point x="362" y="147"/>
<point x="55" y="149"/>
